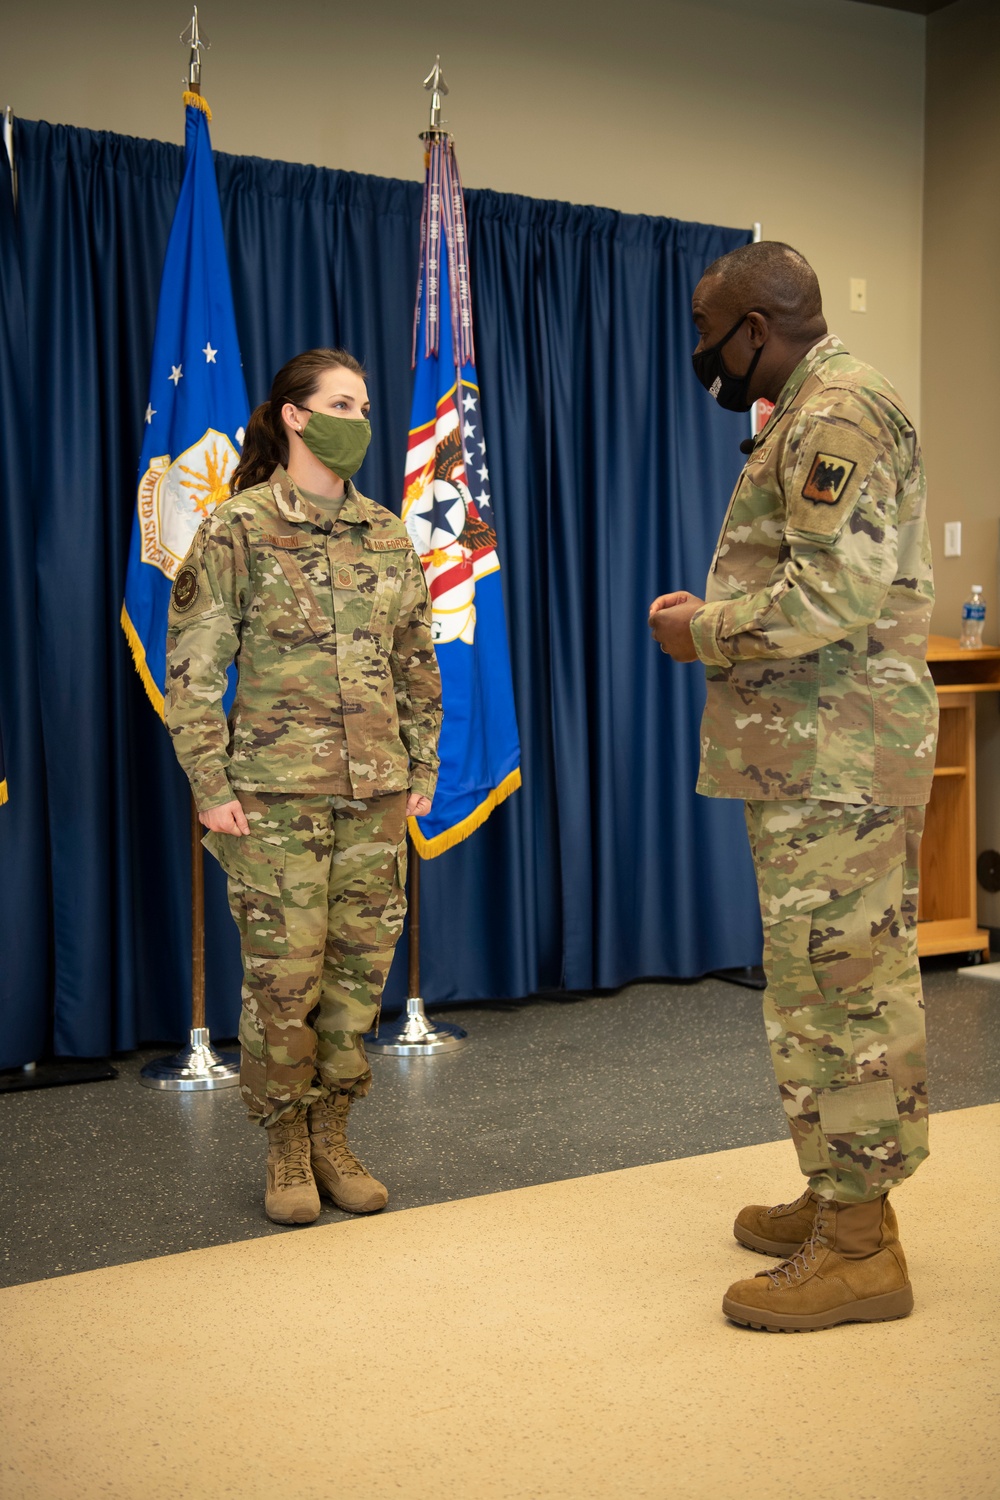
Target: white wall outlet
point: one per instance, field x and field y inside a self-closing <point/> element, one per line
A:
<point x="952" y="538"/>
<point x="859" y="294"/>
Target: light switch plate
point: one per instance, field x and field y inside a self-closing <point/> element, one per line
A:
<point x="952" y="538"/>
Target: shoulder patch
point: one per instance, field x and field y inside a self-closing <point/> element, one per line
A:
<point x="827" y="478"/>
<point x="832" y="466"/>
<point x="185" y="590"/>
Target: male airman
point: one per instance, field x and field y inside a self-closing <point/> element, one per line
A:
<point x="822" y="716"/>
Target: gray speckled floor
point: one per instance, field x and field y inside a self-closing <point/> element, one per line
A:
<point x="99" y="1174"/>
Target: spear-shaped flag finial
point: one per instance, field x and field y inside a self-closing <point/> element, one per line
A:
<point x="198" y="44"/>
<point x="435" y="83"/>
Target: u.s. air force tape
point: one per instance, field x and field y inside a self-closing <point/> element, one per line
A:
<point x="388" y="543"/>
<point x="185" y="589"/>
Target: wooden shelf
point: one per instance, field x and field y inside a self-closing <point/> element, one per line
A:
<point x="951" y="937"/>
<point x="946" y="648"/>
<point x="947" y="915"/>
<point x="957" y="670"/>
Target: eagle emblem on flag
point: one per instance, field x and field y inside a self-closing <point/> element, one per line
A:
<point x="450" y="527"/>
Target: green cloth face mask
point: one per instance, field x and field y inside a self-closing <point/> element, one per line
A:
<point x="338" y="442"/>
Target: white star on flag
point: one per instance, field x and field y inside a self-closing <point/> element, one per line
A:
<point x="482" y="447"/>
<point x="484" y="472"/>
<point x="176" y="372"/>
<point x="150" y="413"/>
<point x="470" y="431"/>
<point x="470" y="402"/>
<point x="209" y="353"/>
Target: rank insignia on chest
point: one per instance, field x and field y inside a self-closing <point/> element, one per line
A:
<point x="827" y="478"/>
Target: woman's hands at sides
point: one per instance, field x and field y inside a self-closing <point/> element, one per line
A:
<point x="229" y="818"/>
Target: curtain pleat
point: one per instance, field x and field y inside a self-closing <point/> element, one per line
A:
<point x="25" y="913"/>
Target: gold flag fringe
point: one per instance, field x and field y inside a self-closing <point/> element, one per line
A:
<point x="3" y="791"/>
<point x="139" y="657"/>
<point x="198" y="103"/>
<point x="431" y="848"/>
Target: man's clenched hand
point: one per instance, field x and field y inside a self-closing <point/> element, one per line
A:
<point x="670" y="623"/>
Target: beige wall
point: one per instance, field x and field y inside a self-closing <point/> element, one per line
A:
<point x="961" y="340"/>
<point x="803" y="114"/>
<point x="961" y="299"/>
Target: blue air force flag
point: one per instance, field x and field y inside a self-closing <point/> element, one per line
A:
<point x="449" y="515"/>
<point x="197" y="407"/>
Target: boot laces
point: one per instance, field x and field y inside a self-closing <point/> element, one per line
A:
<point x="799" y="1202"/>
<point x="796" y="1266"/>
<point x="292" y="1168"/>
<point x="343" y="1158"/>
<point x="331" y="1136"/>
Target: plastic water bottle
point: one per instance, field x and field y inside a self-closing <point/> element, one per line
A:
<point x="973" y="619"/>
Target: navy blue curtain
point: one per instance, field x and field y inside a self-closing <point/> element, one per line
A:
<point x="610" y="469"/>
<point x="25" y="910"/>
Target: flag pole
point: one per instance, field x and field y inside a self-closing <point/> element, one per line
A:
<point x="8" y="140"/>
<point x="415" y="1034"/>
<point x="197" y="1066"/>
<point x="759" y="412"/>
<point x="197" y="924"/>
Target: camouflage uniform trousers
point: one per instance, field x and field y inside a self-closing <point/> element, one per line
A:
<point x="317" y="889"/>
<point x="843" y="1007"/>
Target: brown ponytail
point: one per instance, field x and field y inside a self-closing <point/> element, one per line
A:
<point x="265" y="443"/>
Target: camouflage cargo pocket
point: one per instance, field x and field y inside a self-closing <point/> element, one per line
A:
<point x="255" y="890"/>
<point x="841" y="955"/>
<point x="823" y="956"/>
<point x="807" y="853"/>
<point x="390" y="923"/>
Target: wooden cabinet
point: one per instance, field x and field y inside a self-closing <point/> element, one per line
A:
<point x="947" y="912"/>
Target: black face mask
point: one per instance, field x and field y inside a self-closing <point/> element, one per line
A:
<point x="729" y="390"/>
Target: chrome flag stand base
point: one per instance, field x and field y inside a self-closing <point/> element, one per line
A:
<point x="196" y="1067"/>
<point x="414" y="1035"/>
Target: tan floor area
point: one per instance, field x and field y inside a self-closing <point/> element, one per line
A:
<point x="558" y="1341"/>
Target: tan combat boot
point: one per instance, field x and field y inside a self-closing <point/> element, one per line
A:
<point x="851" y="1270"/>
<point x="291" y="1196"/>
<point x="782" y="1229"/>
<point x="338" y="1172"/>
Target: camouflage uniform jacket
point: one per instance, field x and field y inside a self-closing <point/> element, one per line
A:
<point x="338" y="687"/>
<point x="819" y="599"/>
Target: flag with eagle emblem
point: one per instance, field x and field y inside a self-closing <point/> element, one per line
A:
<point x="197" y="408"/>
<point x="449" y="514"/>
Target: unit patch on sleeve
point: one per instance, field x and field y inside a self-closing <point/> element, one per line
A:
<point x="831" y="465"/>
<point x="827" y="478"/>
<point x="185" y="589"/>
